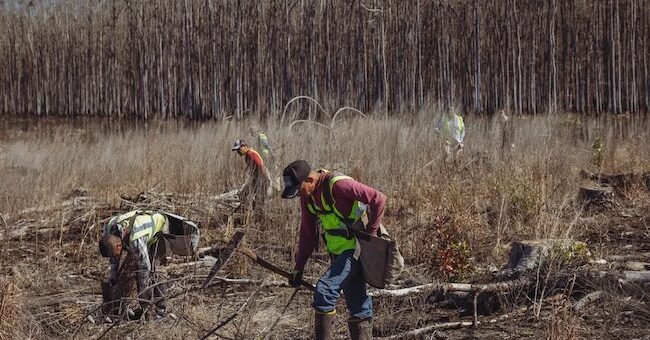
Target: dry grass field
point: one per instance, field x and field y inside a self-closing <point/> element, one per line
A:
<point x="62" y="180"/>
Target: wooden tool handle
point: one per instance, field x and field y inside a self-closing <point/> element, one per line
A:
<point x="267" y="265"/>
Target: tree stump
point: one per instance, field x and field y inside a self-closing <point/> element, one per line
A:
<point x="525" y="256"/>
<point x="595" y="195"/>
<point x="619" y="182"/>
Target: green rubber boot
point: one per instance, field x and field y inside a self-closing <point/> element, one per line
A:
<point x="324" y="325"/>
<point x="360" y="329"/>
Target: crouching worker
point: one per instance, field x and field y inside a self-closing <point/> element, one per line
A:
<point x="138" y="235"/>
<point x="336" y="202"/>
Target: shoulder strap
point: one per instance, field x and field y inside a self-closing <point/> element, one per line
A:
<point x="327" y="199"/>
<point x="126" y="221"/>
<point x="327" y="188"/>
<point x="332" y="178"/>
<point x="311" y="206"/>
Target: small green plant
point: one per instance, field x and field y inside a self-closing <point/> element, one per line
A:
<point x="578" y="251"/>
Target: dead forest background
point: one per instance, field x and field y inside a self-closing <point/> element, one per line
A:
<point x="213" y="59"/>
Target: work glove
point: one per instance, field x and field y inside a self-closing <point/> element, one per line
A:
<point x="296" y="276"/>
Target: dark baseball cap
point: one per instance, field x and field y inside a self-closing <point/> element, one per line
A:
<point x="294" y="174"/>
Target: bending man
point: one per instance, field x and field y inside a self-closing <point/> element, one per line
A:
<point x="140" y="235"/>
<point x="253" y="193"/>
<point x="337" y="203"/>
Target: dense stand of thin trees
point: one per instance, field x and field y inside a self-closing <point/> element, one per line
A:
<point x="214" y="58"/>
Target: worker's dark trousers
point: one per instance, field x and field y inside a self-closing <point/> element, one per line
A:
<point x="343" y="274"/>
<point x="253" y="195"/>
<point x="155" y="294"/>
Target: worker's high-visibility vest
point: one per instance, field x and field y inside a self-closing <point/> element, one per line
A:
<point x="263" y="145"/>
<point x="335" y="226"/>
<point x="451" y="127"/>
<point x="140" y="224"/>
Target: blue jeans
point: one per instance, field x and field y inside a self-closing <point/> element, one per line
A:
<point x="344" y="273"/>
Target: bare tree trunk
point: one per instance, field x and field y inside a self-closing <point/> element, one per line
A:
<point x="553" y="81"/>
<point x="384" y="58"/>
<point x="477" y="59"/>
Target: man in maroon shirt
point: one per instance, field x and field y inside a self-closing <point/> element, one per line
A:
<point x="253" y="192"/>
<point x="335" y="202"/>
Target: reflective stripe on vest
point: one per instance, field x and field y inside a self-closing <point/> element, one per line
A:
<point x="125" y="220"/>
<point x="147" y="225"/>
<point x="332" y="219"/>
<point x="138" y="224"/>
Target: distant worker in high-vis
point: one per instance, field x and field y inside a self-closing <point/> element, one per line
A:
<point x="451" y="128"/>
<point x="262" y="144"/>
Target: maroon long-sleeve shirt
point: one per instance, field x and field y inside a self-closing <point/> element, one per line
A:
<point x="345" y="192"/>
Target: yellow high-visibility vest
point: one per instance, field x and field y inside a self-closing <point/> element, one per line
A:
<point x="332" y="220"/>
<point x="139" y="224"/>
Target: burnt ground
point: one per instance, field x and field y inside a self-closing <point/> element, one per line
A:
<point x="51" y="272"/>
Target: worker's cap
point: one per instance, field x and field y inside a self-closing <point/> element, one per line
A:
<point x="294" y="174"/>
<point x="238" y="144"/>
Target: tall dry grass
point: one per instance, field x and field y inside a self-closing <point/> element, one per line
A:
<point x="489" y="195"/>
<point x="523" y="187"/>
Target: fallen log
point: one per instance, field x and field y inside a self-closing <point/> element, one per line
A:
<point x="634" y="276"/>
<point x="524" y="257"/>
<point x="452" y="287"/>
<point x="588" y="299"/>
<point x="637" y="265"/>
<point x="416" y="333"/>
<point x="207" y="261"/>
<point x="629" y="257"/>
<point x="620" y="182"/>
<point x="622" y="277"/>
<point x="230" y="195"/>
